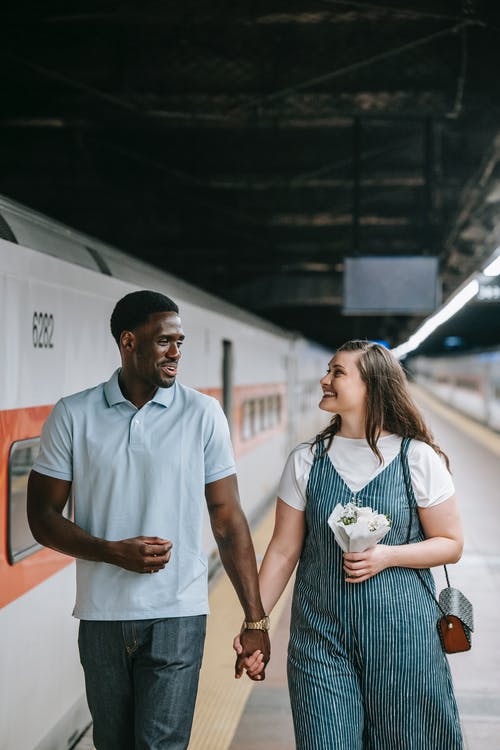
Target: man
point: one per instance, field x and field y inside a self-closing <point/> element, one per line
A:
<point x="142" y="454"/>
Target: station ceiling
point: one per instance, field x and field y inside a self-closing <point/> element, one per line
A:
<point x="251" y="147"/>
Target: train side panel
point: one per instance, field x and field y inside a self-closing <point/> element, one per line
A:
<point x="55" y="324"/>
<point x="41" y="681"/>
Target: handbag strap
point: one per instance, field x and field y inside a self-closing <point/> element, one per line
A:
<point x="412" y="505"/>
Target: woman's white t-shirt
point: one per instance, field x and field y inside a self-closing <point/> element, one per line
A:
<point x="357" y="464"/>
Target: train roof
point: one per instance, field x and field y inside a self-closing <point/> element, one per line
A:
<point x="24" y="226"/>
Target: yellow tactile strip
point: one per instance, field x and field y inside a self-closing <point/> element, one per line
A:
<point x="221" y="698"/>
<point x="484" y="435"/>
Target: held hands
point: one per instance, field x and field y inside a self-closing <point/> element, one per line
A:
<point x="141" y="554"/>
<point x="254" y="651"/>
<point x="360" y="566"/>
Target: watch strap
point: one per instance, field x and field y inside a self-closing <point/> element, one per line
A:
<point x="262" y="624"/>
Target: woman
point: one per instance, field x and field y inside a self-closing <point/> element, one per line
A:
<point x="365" y="665"/>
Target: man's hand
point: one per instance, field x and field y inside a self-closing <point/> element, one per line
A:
<point x="47" y="497"/>
<point x="141" y="554"/>
<point x="254" y="651"/>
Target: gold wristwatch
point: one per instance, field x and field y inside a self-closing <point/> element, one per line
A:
<point x="263" y="624"/>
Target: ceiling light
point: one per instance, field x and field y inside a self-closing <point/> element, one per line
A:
<point x="493" y="268"/>
<point x="429" y="326"/>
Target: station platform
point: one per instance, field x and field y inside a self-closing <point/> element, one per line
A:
<point x="244" y="715"/>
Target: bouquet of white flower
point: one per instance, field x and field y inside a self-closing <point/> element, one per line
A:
<point x="358" y="528"/>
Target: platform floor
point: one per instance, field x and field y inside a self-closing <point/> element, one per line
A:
<point x="242" y="715"/>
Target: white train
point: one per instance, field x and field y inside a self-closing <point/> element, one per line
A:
<point x="57" y="290"/>
<point x="468" y="382"/>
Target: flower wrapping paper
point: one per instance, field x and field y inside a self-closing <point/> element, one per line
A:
<point x="356" y="529"/>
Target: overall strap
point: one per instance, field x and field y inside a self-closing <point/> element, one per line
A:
<point x="412" y="503"/>
<point x="319" y="449"/>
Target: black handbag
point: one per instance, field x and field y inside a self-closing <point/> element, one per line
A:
<point x="456" y="621"/>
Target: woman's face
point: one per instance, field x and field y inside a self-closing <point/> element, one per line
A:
<point x="344" y="392"/>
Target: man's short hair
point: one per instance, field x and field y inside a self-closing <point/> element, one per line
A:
<point x="134" y="309"/>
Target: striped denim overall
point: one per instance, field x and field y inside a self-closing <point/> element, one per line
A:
<point x="366" y="670"/>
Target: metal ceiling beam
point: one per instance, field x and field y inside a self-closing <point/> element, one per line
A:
<point x="470" y="241"/>
<point x="240" y="182"/>
<point x="304" y="290"/>
<point x="331" y="219"/>
<point x="295" y="111"/>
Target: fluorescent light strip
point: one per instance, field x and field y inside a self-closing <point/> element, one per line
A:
<point x="429" y="326"/>
<point x="493" y="269"/>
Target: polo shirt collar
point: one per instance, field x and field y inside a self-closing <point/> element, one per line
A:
<point x="165" y="396"/>
<point x="114" y="396"/>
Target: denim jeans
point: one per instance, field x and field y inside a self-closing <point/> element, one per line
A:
<point x="141" y="679"/>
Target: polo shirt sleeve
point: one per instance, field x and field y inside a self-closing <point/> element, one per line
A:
<point x="55" y="458"/>
<point x="218" y="451"/>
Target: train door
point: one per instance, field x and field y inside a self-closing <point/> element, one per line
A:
<point x="228" y="380"/>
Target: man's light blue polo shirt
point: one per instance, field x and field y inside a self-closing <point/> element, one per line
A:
<point x="139" y="472"/>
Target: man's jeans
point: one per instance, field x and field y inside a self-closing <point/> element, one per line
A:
<point x="141" y="678"/>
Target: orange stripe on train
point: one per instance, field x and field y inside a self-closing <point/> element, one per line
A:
<point x="17" y="579"/>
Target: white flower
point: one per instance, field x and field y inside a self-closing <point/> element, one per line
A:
<point x="364" y="511"/>
<point x="358" y="528"/>
<point x="378" y="521"/>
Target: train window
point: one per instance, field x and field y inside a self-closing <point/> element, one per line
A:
<point x="245" y="428"/>
<point x="251" y="417"/>
<point x="21" y="460"/>
<point x="269" y="411"/>
<point x="274" y="411"/>
<point x="312" y="398"/>
<point x="467" y="384"/>
<point x="278" y="409"/>
<point x="260" y="415"/>
<point x="21" y="541"/>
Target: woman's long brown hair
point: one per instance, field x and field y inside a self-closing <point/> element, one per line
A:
<point x="389" y="405"/>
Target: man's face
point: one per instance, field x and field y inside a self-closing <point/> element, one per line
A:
<point x="156" y="349"/>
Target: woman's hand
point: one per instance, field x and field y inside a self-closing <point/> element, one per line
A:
<point x="360" y="566"/>
<point x="253" y="665"/>
<point x="443" y="544"/>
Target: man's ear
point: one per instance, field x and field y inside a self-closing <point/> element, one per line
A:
<point x="127" y="340"/>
